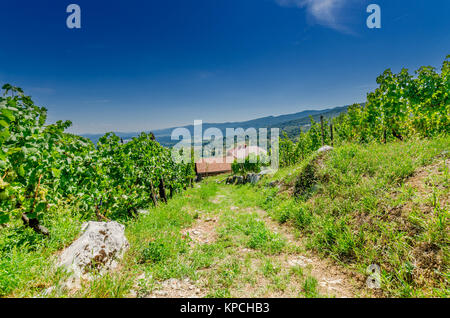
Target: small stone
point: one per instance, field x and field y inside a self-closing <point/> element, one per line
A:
<point x="160" y="293"/>
<point x="335" y="282"/>
<point x="301" y="261"/>
<point x="325" y="149"/>
<point x="48" y="291"/>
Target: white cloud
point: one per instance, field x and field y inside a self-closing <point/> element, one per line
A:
<point x="324" y="12"/>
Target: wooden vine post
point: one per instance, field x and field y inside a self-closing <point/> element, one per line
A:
<point x="331" y="134"/>
<point x="153" y="194"/>
<point x="321" y="126"/>
<point x="162" y="190"/>
<point x="171" y="190"/>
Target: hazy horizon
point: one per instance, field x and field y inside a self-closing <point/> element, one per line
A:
<point x="210" y="122"/>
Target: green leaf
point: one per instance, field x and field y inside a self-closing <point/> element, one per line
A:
<point x="4" y="218"/>
<point x="8" y="114"/>
<point x="40" y="207"/>
<point x="3" y="123"/>
<point x="14" y="150"/>
<point x="21" y="171"/>
<point x="56" y="172"/>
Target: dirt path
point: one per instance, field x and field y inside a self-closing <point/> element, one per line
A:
<point x="246" y="272"/>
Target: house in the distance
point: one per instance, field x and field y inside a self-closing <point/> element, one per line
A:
<point x="243" y="151"/>
<point x="214" y="166"/>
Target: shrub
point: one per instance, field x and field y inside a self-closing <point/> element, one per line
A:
<point x="248" y="166"/>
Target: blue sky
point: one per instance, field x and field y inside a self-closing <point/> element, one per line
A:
<point x="143" y="65"/>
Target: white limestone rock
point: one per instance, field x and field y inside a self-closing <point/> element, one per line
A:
<point x="100" y="246"/>
<point x="325" y="149"/>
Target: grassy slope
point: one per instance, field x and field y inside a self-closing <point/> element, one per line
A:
<point x="26" y="258"/>
<point x="366" y="206"/>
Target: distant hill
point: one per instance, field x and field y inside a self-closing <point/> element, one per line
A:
<point x="292" y="127"/>
<point x="290" y="123"/>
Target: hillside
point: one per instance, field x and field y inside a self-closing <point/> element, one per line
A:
<point x="292" y="127"/>
<point x="284" y="122"/>
<point x="378" y="204"/>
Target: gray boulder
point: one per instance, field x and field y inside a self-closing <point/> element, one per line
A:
<point x="266" y="171"/>
<point x="253" y="178"/>
<point x="100" y="246"/>
<point x="325" y="149"/>
<point x="240" y="180"/>
<point x="231" y="180"/>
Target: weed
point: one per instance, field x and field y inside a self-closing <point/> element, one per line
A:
<point x="310" y="287"/>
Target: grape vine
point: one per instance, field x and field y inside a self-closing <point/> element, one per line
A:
<point x="401" y="107"/>
<point x="42" y="166"/>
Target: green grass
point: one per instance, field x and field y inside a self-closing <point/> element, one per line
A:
<point x="27" y="258"/>
<point x="157" y="248"/>
<point x="310" y="287"/>
<point x="250" y="231"/>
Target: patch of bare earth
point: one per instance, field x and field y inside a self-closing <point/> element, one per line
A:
<point x="333" y="280"/>
<point x="203" y="231"/>
<point x="177" y="288"/>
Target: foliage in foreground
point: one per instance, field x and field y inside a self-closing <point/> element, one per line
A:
<point x="249" y="165"/>
<point x="42" y="167"/>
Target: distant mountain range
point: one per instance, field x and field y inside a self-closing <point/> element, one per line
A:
<point x="292" y="127"/>
<point x="291" y="124"/>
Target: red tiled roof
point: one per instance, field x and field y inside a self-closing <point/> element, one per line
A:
<point x="214" y="165"/>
